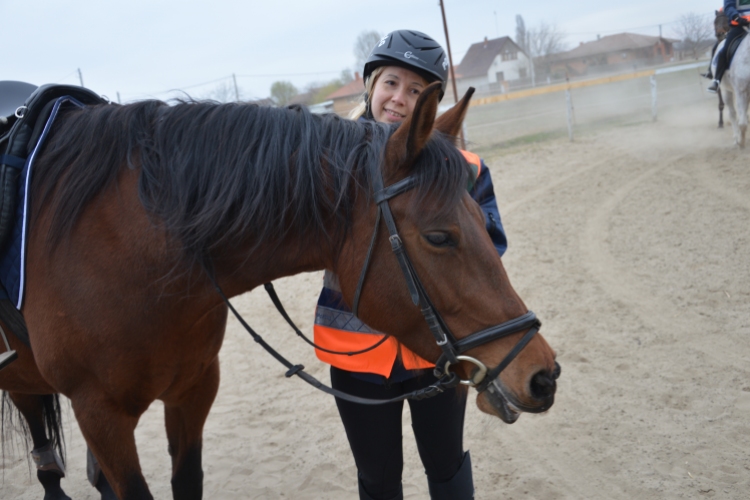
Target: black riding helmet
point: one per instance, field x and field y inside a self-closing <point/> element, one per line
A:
<point x="412" y="50"/>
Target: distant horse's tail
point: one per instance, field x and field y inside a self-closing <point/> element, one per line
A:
<point x="11" y="418"/>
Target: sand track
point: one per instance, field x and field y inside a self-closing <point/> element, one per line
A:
<point x="632" y="247"/>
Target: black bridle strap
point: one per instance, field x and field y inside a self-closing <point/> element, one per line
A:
<point x="299" y="370"/>
<point x="361" y="282"/>
<point x="516" y="325"/>
<point x="495" y="372"/>
<point x="280" y="307"/>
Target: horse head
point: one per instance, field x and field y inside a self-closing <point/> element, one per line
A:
<point x="721" y="24"/>
<point x="454" y="260"/>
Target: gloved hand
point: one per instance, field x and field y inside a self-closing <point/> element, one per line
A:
<point x="741" y="21"/>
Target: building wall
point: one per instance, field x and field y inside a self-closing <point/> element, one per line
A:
<point x="511" y="69"/>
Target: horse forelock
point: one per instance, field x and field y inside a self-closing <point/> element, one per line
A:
<point x="217" y="174"/>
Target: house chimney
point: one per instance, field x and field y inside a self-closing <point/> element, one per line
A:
<point x="598" y="37"/>
<point x="485" y="42"/>
<point x="580" y="44"/>
<point x="356" y="75"/>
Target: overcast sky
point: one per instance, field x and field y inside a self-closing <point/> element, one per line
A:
<point x="143" y="49"/>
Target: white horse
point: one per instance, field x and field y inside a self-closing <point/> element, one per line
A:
<point x="735" y="86"/>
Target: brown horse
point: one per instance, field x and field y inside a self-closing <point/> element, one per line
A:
<point x="134" y="206"/>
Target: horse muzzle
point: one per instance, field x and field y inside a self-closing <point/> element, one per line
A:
<point x="508" y="407"/>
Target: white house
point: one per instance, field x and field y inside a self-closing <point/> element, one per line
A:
<point x="493" y="66"/>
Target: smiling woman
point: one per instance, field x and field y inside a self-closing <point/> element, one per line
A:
<point x="370" y="364"/>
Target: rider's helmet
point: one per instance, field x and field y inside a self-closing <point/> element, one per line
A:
<point x="412" y="50"/>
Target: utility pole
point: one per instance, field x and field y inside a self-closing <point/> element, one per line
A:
<point x="450" y="62"/>
<point x="450" y="56"/>
<point x="236" y="90"/>
<point x="80" y="76"/>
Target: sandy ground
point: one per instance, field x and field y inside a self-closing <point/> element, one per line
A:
<point x="632" y="247"/>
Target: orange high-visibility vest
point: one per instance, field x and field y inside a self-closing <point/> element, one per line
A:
<point x="339" y="330"/>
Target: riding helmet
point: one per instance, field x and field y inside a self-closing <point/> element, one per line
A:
<point x="412" y="50"/>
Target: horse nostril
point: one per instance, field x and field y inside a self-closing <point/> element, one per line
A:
<point x="543" y="384"/>
<point x="556" y="372"/>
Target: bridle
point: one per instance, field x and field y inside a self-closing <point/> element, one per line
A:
<point x="452" y="349"/>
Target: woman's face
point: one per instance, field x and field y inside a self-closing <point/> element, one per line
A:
<point x="395" y="93"/>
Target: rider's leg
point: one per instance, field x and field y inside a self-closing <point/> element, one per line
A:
<point x="721" y="61"/>
<point x="708" y="73"/>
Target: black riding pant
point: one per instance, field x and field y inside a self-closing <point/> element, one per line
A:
<point x="374" y="432"/>
<point x="722" y="62"/>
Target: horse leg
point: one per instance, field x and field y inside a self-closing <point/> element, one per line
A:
<point x="740" y="105"/>
<point x="185" y="416"/>
<point x="38" y="411"/>
<point x="721" y="110"/>
<point x="729" y="100"/>
<point x="109" y="432"/>
<point x="97" y="477"/>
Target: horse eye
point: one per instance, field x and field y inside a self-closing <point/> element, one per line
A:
<point x="439" y="239"/>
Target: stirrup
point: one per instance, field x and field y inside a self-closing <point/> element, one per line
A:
<point x="714" y="87"/>
<point x="9" y="355"/>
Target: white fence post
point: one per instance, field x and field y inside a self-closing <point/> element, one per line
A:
<point x="569" y="103"/>
<point x="654" y="102"/>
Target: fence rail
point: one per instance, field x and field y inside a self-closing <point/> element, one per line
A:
<point x="575" y="106"/>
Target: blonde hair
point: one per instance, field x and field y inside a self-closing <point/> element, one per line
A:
<point x="361" y="108"/>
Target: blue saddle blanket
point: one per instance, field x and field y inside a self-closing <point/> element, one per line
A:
<point x="13" y="259"/>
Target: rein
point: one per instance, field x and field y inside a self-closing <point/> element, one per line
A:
<point x="299" y="370"/>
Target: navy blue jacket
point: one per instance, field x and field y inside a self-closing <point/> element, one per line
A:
<point x="730" y="9"/>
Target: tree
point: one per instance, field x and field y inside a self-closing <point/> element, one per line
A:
<point x="545" y="40"/>
<point x="224" y="92"/>
<point x="282" y="92"/>
<point x="521" y="37"/>
<point x="694" y="30"/>
<point x="366" y="41"/>
<point x="541" y="42"/>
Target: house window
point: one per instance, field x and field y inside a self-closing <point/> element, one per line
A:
<point x="509" y="55"/>
<point x="499" y="76"/>
<point x="521" y="72"/>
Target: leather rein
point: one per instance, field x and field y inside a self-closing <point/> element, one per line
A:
<point x="452" y="349"/>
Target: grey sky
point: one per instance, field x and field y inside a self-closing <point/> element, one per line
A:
<point x="146" y="48"/>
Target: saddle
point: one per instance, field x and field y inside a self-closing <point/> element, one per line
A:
<point x="732" y="48"/>
<point x="24" y="111"/>
<point x="19" y="134"/>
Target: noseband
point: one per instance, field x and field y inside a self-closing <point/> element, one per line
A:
<point x="452" y="348"/>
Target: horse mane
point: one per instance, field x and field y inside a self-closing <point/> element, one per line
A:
<point x="216" y="174"/>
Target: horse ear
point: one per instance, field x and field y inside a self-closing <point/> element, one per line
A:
<point x="451" y="121"/>
<point x="412" y="135"/>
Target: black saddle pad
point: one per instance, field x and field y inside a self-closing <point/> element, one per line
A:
<point x="733" y="47"/>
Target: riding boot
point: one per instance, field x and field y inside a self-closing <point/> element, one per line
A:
<point x="365" y="495"/>
<point x="721" y="66"/>
<point x="459" y="487"/>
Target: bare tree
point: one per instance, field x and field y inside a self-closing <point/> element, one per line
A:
<point x="695" y="30"/>
<point x="364" y="45"/>
<point x="545" y="40"/>
<point x="282" y="92"/>
<point x="224" y="92"/>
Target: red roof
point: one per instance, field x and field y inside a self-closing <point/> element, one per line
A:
<point x="353" y="88"/>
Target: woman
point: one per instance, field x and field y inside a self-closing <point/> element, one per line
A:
<point x="398" y="69"/>
<point x="738" y="12"/>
